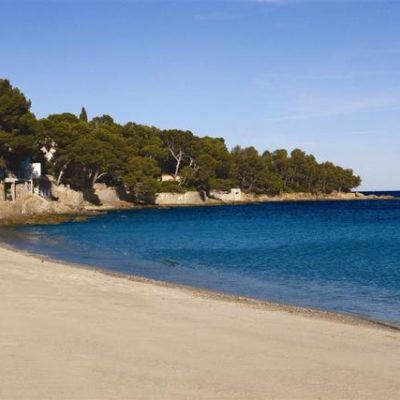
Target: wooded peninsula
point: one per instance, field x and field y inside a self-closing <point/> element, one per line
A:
<point x="80" y="152"/>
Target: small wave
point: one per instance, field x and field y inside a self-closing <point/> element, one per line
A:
<point x="172" y="263"/>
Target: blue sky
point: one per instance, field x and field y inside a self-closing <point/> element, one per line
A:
<point x="323" y="76"/>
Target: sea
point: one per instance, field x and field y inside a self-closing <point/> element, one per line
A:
<point x="339" y="256"/>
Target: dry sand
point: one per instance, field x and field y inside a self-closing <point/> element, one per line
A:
<point x="72" y="333"/>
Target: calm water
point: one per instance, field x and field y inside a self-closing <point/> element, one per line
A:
<point x="342" y="256"/>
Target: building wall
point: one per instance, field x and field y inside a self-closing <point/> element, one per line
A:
<point x="21" y="189"/>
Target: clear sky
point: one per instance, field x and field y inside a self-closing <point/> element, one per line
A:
<point x="323" y="76"/>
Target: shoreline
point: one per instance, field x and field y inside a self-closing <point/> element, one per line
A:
<point x="9" y="216"/>
<point x="267" y="305"/>
<point x="69" y="331"/>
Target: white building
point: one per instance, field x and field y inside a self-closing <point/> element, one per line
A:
<point x="27" y="179"/>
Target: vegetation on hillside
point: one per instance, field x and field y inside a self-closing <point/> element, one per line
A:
<point x="81" y="152"/>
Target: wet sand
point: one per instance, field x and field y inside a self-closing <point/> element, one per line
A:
<point x="75" y="333"/>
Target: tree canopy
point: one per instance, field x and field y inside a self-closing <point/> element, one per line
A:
<point x="81" y="152"/>
<point x="17" y="125"/>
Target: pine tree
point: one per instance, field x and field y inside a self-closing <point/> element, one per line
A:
<point x="83" y="115"/>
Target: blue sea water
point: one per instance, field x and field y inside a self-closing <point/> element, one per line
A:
<point x="338" y="256"/>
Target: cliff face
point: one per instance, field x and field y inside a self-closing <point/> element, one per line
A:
<point x="108" y="197"/>
<point x="101" y="197"/>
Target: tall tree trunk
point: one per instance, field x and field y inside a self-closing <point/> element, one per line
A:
<point x="177" y="166"/>
<point x="178" y="159"/>
<point x="61" y="174"/>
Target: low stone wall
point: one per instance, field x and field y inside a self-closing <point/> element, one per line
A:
<point x="188" y="198"/>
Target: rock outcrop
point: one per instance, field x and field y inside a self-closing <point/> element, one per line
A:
<point x="31" y="205"/>
<point x="232" y="196"/>
<point x="108" y="197"/>
<point x="236" y="196"/>
<point x="68" y="197"/>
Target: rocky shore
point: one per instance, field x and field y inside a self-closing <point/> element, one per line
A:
<point x="216" y="198"/>
<point x="66" y="204"/>
<point x="69" y="203"/>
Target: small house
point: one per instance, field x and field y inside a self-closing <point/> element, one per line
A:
<point x="27" y="178"/>
<point x="170" y="178"/>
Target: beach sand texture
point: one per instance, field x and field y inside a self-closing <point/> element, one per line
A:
<point x="73" y="333"/>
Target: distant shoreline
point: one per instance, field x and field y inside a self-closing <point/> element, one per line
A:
<point x="10" y="214"/>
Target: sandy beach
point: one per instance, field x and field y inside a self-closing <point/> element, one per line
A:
<point x="74" y="333"/>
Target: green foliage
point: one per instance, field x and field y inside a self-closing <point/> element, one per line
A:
<point x="250" y="171"/>
<point x="134" y="156"/>
<point x="17" y="125"/>
<point x="221" y="184"/>
<point x="102" y="120"/>
<point x="140" y="177"/>
<point x="68" y="118"/>
<point x="15" y="115"/>
<point x="171" y="187"/>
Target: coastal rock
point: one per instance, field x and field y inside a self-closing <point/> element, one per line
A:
<point x="29" y="205"/>
<point x="68" y="197"/>
<point x="237" y="196"/>
<point x="108" y="197"/>
<point x="232" y="196"/>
